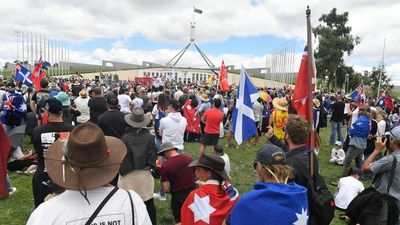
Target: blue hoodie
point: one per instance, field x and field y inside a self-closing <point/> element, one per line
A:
<point x="272" y="203"/>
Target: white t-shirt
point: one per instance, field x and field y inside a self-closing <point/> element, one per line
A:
<point x="16" y="155"/>
<point x="381" y="127"/>
<point x="124" y="103"/>
<point x="173" y="129"/>
<point x="346" y="108"/>
<point x="82" y="106"/>
<point x="70" y="208"/>
<point x="349" y="188"/>
<point x="137" y="102"/>
<point x="354" y="116"/>
<point x="178" y="94"/>
<point x="227" y="167"/>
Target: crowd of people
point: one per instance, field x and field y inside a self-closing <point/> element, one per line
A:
<point x="99" y="149"/>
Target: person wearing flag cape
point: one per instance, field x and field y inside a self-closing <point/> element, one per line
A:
<point x="273" y="195"/>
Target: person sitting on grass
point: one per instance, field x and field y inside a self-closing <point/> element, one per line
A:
<point x="338" y="154"/>
<point x="272" y="195"/>
<point x="348" y="188"/>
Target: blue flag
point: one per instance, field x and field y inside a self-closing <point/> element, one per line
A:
<point x="244" y="126"/>
<point x="272" y="203"/>
<point x="24" y="75"/>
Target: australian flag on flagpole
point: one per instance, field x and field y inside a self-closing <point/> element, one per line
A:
<point x="24" y="75"/>
<point x="244" y="125"/>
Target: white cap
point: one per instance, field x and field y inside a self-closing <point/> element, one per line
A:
<point x="338" y="143"/>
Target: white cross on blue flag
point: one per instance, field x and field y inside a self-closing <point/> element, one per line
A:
<point x="244" y="126"/>
<point x="24" y="75"/>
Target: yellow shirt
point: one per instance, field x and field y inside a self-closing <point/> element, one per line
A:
<point x="279" y="119"/>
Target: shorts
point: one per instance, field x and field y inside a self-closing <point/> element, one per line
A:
<point x="177" y="200"/>
<point x="210" y="139"/>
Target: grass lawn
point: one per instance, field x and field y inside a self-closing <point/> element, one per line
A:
<point x="16" y="209"/>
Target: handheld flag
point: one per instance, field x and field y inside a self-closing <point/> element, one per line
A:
<point x="4" y="151"/>
<point x="300" y="94"/>
<point x="24" y="75"/>
<point x="39" y="73"/>
<point x="358" y="93"/>
<point x="199" y="11"/>
<point x="223" y="75"/>
<point x="244" y="125"/>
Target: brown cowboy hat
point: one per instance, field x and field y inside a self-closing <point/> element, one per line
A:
<point x="212" y="162"/>
<point x="87" y="160"/>
<point x="280" y="103"/>
<point x="137" y="118"/>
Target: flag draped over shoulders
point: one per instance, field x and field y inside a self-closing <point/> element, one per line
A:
<point x="4" y="151"/>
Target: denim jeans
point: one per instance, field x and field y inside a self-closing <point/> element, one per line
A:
<point x="351" y="154"/>
<point x="336" y="127"/>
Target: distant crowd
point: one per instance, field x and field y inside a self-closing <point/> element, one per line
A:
<point x="99" y="148"/>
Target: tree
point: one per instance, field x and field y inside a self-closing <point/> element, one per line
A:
<point x="372" y="80"/>
<point x="334" y="40"/>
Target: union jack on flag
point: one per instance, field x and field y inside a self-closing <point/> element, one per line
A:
<point x="358" y="93"/>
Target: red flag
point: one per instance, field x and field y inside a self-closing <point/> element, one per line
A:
<point x="4" y="151"/>
<point x="300" y="94"/>
<point x="223" y="75"/>
<point x="38" y="74"/>
<point x="206" y="205"/>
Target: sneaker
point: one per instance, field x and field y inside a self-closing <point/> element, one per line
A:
<point x="12" y="190"/>
<point x="160" y="197"/>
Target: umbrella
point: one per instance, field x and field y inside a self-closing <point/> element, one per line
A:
<point x="16" y="135"/>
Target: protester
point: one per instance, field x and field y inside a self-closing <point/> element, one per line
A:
<point x="273" y="195"/>
<point x="84" y="170"/>
<point x="13" y="110"/>
<point x="348" y="188"/>
<point x="124" y="100"/>
<point x="204" y="105"/>
<point x="112" y="122"/>
<point x="43" y="137"/>
<point x="172" y="127"/>
<point x="219" y="150"/>
<point x="358" y="133"/>
<point x="20" y="162"/>
<point x="297" y="153"/>
<point x="337" y="119"/>
<point x="140" y="158"/>
<point x="337" y="154"/>
<point x="97" y="105"/>
<point x="82" y="105"/>
<point x="214" y="199"/>
<point x="258" y="115"/>
<point x="159" y="111"/>
<point x="38" y="99"/>
<point x="279" y="117"/>
<point x="212" y="119"/>
<point x="135" y="102"/>
<point x="192" y="131"/>
<point x="381" y="168"/>
<point x="177" y="178"/>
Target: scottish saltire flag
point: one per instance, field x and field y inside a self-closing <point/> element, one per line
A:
<point x="24" y="75"/>
<point x="358" y="93"/>
<point x="244" y="125"/>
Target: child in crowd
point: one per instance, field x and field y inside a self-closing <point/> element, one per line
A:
<point x="348" y="188"/>
<point x="338" y="154"/>
<point x="219" y="150"/>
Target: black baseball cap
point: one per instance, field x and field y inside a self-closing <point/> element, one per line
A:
<point x="271" y="154"/>
<point x="53" y="105"/>
<point x="174" y="104"/>
<point x="112" y="101"/>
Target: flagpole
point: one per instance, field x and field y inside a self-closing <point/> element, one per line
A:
<point x="309" y="86"/>
<point x="380" y="74"/>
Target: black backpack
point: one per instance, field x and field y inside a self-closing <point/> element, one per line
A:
<point x="322" y="203"/>
<point x="371" y="207"/>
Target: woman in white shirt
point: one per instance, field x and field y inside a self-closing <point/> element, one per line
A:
<point x="348" y="188"/>
<point x="82" y="106"/>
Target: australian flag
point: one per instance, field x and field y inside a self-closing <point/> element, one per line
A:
<point x="358" y="94"/>
<point x="24" y="75"/>
<point x="244" y="125"/>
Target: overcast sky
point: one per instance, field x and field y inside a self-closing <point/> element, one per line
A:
<point x="238" y="31"/>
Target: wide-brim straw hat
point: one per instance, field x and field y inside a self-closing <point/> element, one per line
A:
<point x="204" y="98"/>
<point x="87" y="160"/>
<point x="137" y="118"/>
<point x="280" y="103"/>
<point x="212" y="162"/>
